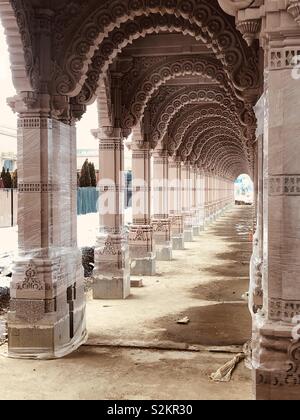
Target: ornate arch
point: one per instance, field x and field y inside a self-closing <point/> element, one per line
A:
<point x="200" y="134"/>
<point x="196" y="154"/>
<point x="169" y="101"/>
<point x="227" y="163"/>
<point x="225" y="40"/>
<point x="223" y="141"/>
<point x="158" y="75"/>
<point x="212" y="156"/>
<point x="196" y="129"/>
<point x="16" y="17"/>
<point x="195" y="114"/>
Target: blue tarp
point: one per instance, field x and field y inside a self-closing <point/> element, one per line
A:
<point x="87" y="199"/>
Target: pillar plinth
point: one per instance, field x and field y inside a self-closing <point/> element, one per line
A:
<point x="112" y="271"/>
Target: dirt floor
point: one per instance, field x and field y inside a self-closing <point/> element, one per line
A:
<point x="206" y="283"/>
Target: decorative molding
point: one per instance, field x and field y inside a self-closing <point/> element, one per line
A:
<point x="284" y="185"/>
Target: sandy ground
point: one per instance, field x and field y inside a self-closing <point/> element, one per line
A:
<point x="206" y="283"/>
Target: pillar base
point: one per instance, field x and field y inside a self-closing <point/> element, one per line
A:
<point x="141" y="250"/>
<point x="143" y="266"/>
<point x="112" y="272"/>
<point x="178" y="243"/>
<point x="162" y="237"/>
<point x="164" y="252"/>
<point x="188" y="235"/>
<point x="196" y="231"/>
<point x="111" y="288"/>
<point x="31" y="342"/>
<point x="47" y="317"/>
<point x="276" y="362"/>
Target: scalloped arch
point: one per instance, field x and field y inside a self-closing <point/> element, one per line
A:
<point x="238" y="60"/>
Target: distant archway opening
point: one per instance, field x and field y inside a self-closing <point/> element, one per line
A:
<point x="244" y="190"/>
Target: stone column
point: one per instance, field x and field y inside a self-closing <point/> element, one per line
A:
<point x="112" y="272"/>
<point x="201" y="199"/>
<point x="277" y="354"/>
<point x="187" y="202"/>
<point x="175" y="203"/>
<point x="161" y="222"/>
<point x="47" y="311"/>
<point x="207" y="197"/>
<point x="195" y="202"/>
<point x="213" y="195"/>
<point x="141" y="241"/>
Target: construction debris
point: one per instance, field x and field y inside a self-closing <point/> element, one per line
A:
<point x="183" y="321"/>
<point x="224" y="374"/>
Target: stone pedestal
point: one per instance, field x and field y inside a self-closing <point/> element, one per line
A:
<point x="162" y="235"/>
<point x="142" y="256"/>
<point x="47" y="310"/>
<point x="111" y="273"/>
<point x="177" y="233"/>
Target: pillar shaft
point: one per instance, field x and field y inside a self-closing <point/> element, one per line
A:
<point x="141" y="241"/>
<point x="161" y="221"/>
<point x="187" y="201"/>
<point x="112" y="279"/>
<point x="175" y="203"/>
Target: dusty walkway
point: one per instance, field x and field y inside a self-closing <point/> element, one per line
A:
<point x="205" y="283"/>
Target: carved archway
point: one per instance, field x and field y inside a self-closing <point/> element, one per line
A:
<point x="171" y="100"/>
<point x="195" y="132"/>
<point x="81" y="41"/>
<point x="16" y="18"/>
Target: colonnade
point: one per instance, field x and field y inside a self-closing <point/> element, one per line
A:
<point x="172" y="202"/>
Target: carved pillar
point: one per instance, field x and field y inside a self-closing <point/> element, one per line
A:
<point x="47" y="311"/>
<point x="187" y="202"/>
<point x="277" y="354"/>
<point x="201" y="199"/>
<point x="195" y="202"/>
<point x="161" y="222"/>
<point x="214" y="197"/>
<point x="207" y="197"/>
<point x="112" y="277"/>
<point x="141" y="242"/>
<point x="175" y="203"/>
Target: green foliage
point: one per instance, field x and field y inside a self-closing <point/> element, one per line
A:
<point x="85" y="177"/>
<point x="15" y="179"/>
<point x="93" y="175"/>
<point x="6" y="178"/>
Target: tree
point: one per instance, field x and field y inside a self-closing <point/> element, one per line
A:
<point x="15" y="179"/>
<point x="85" y="177"/>
<point x="8" y="180"/>
<point x="93" y="175"/>
<point x="3" y="176"/>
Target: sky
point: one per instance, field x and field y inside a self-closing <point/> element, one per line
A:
<point x="8" y="119"/>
